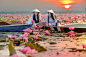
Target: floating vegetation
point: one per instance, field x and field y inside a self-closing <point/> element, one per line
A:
<point x="29" y="56"/>
<point x="79" y="34"/>
<point x="36" y="46"/>
<point x="11" y="49"/>
<point x="53" y="43"/>
<point x="2" y="41"/>
<point x="81" y="38"/>
<point x="31" y="40"/>
<point x="1" y="47"/>
<point x="41" y="38"/>
<point x="76" y="50"/>
<point x="17" y="42"/>
<point x="3" y="37"/>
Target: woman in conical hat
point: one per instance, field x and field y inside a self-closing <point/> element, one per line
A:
<point x="35" y="18"/>
<point x="52" y="21"/>
<point x="50" y="18"/>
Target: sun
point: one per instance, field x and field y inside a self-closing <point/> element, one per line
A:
<point x="67" y="6"/>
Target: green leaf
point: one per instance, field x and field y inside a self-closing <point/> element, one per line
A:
<point x="1" y="47"/>
<point x="2" y="41"/>
<point x="42" y="38"/>
<point x="36" y="46"/>
<point x="81" y="38"/>
<point x="31" y="40"/>
<point x="11" y="49"/>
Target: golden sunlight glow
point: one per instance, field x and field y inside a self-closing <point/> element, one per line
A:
<point x="67" y="1"/>
<point x="67" y="6"/>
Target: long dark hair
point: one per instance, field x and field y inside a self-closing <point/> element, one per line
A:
<point x="52" y="16"/>
<point x="36" y="21"/>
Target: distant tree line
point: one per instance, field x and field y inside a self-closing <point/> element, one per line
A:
<point x="29" y="12"/>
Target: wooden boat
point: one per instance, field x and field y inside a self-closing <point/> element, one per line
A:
<point x="14" y="28"/>
<point x="20" y="27"/>
<point x="6" y="27"/>
<point x="65" y="28"/>
<point x="78" y="27"/>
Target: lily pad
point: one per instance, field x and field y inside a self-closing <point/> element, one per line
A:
<point x="53" y="43"/>
<point x="1" y="47"/>
<point x="2" y="41"/>
<point x="81" y="38"/>
<point x="77" y="35"/>
<point x="2" y="37"/>
<point x="31" y="40"/>
<point x="17" y="42"/>
<point x="42" y="38"/>
<point x="76" y="50"/>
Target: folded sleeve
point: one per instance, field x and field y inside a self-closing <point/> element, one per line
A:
<point x="40" y="16"/>
<point x="29" y="21"/>
<point x="46" y="19"/>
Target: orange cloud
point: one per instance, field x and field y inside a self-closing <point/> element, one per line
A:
<point x="62" y="3"/>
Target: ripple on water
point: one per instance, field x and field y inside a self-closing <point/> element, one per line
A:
<point x="3" y="35"/>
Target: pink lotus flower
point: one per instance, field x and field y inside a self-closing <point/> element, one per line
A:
<point x="35" y="27"/>
<point x="15" y="55"/>
<point x="34" y="43"/>
<point x="68" y="23"/>
<point x="39" y="27"/>
<point x="21" y="21"/>
<point x="26" y="39"/>
<point x="32" y="29"/>
<point x="42" y="20"/>
<point x="25" y="50"/>
<point x="35" y="33"/>
<point x="33" y="51"/>
<point x="13" y="37"/>
<point x="71" y="32"/>
<point x="71" y="28"/>
<point x="47" y="32"/>
<point x="35" y="37"/>
<point x="84" y="45"/>
<point x="32" y="21"/>
<point x="17" y="33"/>
<point x="30" y="42"/>
<point x="46" y="22"/>
<point x="27" y="31"/>
<point x="72" y="35"/>
<point x="6" y="39"/>
<point x="25" y="34"/>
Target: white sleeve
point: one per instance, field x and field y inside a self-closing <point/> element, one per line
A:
<point x="53" y="24"/>
<point x="46" y="19"/>
<point x="58" y="24"/>
<point x="50" y="24"/>
<point x="29" y="21"/>
<point x="40" y="16"/>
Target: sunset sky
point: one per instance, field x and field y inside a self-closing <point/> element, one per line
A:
<point x="29" y="5"/>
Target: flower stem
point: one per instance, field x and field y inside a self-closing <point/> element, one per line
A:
<point x="31" y="55"/>
<point x="26" y="55"/>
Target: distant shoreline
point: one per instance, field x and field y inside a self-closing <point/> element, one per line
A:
<point x="29" y="12"/>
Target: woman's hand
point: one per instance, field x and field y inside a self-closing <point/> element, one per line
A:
<point x="49" y="24"/>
